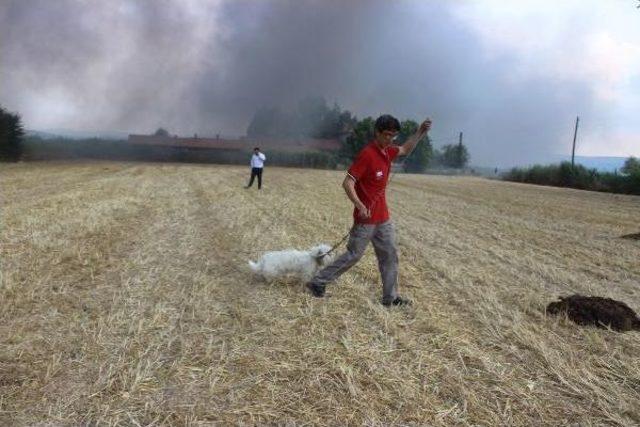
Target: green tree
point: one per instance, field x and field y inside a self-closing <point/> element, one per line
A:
<point x="631" y="166"/>
<point x="335" y="123"/>
<point x="270" y="122"/>
<point x="362" y="133"/>
<point x="454" y="155"/>
<point x="11" y="136"/>
<point x="161" y="132"/>
<point x="312" y="118"/>
<point x="418" y="160"/>
<point x="576" y="176"/>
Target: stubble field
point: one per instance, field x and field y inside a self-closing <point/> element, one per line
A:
<point x="125" y="299"/>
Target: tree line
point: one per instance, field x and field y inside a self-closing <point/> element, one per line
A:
<point x="314" y="118"/>
<point x="627" y="181"/>
<point x="11" y="136"/>
<point x="311" y="118"/>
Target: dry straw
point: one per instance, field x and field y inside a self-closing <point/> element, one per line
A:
<point x="125" y="302"/>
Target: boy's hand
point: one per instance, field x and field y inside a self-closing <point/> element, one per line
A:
<point x="363" y="211"/>
<point x="424" y="127"/>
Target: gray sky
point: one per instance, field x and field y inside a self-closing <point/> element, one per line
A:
<point x="511" y="75"/>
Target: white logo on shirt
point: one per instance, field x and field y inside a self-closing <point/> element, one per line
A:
<point x="379" y="174"/>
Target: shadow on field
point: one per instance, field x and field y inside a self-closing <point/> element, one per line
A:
<point x="596" y="311"/>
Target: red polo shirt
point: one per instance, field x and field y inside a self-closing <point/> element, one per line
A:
<point x="371" y="171"/>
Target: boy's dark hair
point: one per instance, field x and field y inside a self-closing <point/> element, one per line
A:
<point x="387" y="122"/>
<point x="256" y="148"/>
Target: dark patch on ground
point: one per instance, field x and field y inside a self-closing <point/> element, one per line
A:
<point x="632" y="236"/>
<point x="597" y="311"/>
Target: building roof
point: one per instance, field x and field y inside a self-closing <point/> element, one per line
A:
<point x="245" y="144"/>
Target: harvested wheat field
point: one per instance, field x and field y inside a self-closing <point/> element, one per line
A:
<point x="126" y="300"/>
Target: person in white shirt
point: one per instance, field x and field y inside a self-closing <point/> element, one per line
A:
<point x="257" y="164"/>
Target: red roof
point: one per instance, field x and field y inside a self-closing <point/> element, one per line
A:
<point x="301" y="144"/>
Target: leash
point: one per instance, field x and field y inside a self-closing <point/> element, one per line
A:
<point x="319" y="258"/>
<point x="334" y="247"/>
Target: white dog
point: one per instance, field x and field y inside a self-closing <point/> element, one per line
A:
<point x="301" y="264"/>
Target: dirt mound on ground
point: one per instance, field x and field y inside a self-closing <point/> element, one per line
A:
<point x="632" y="236"/>
<point x="601" y="312"/>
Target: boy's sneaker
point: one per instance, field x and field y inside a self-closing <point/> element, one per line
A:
<point x="398" y="301"/>
<point x="316" y="290"/>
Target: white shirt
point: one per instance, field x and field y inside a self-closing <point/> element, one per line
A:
<point x="257" y="160"/>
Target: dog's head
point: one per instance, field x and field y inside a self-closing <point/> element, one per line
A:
<point x="319" y="252"/>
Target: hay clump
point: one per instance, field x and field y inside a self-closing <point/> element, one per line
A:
<point x="598" y="311"/>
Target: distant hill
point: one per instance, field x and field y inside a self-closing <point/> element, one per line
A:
<point x="40" y="134"/>
<point x="601" y="163"/>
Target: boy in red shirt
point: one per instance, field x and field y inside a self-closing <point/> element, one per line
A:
<point x="365" y="185"/>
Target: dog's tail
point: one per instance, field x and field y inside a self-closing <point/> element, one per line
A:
<point x="254" y="266"/>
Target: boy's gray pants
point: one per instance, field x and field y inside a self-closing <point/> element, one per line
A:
<point x="384" y="243"/>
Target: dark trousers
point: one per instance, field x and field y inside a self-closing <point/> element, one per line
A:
<point x="256" y="172"/>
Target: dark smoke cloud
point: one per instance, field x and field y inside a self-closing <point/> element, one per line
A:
<point x="198" y="67"/>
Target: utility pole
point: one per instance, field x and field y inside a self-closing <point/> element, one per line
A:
<point x="575" y="133"/>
